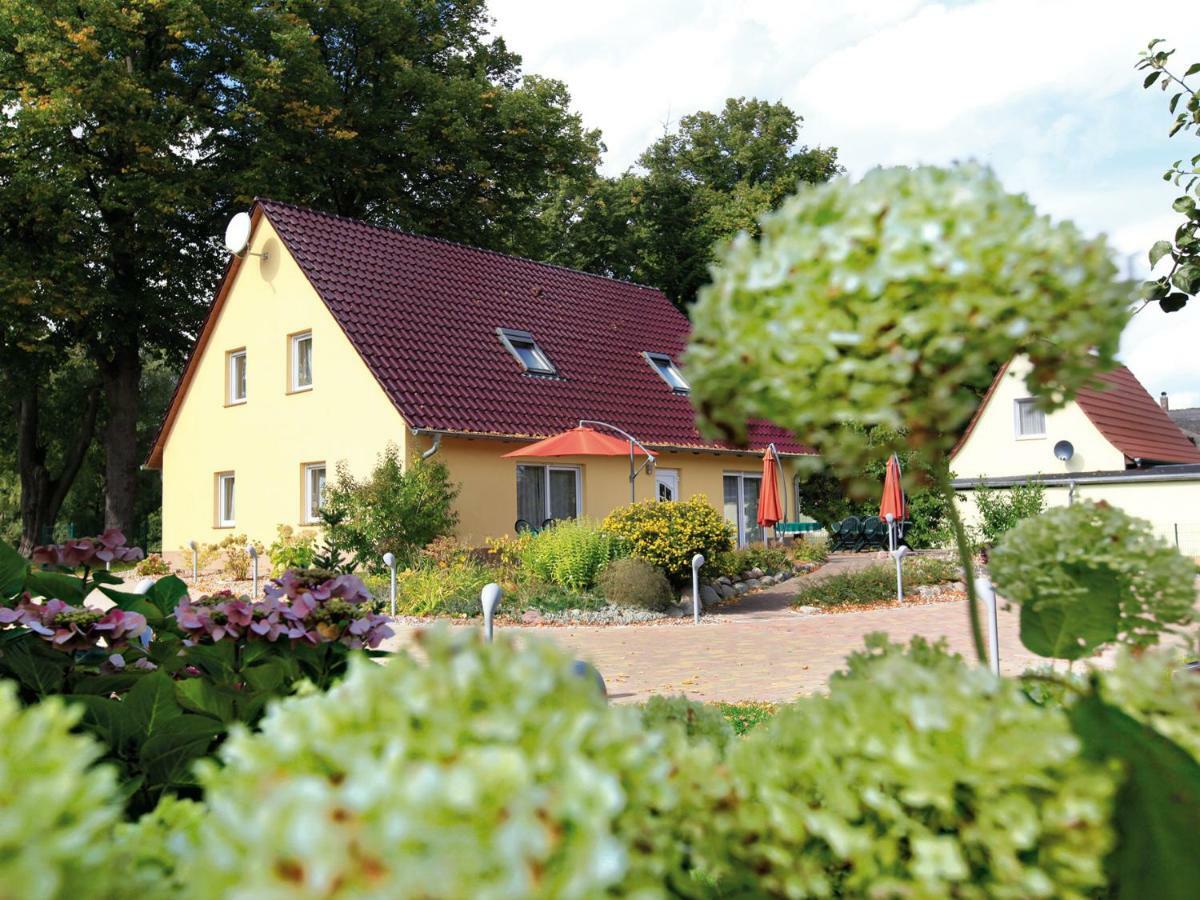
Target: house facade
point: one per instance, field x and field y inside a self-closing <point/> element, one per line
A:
<point x="329" y="339"/>
<point x="1123" y="449"/>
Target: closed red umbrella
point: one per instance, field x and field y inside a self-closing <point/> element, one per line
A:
<point x="893" y="493"/>
<point x="768" y="497"/>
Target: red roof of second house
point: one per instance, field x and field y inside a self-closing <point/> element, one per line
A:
<point x="1133" y="421"/>
<point x="423" y="314"/>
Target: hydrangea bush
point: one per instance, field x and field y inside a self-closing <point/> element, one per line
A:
<point x="1089" y="574"/>
<point x="57" y="811"/>
<point x="874" y="302"/>
<point x="487" y="771"/>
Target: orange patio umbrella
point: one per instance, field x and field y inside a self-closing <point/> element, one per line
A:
<point x="584" y="440"/>
<point x="893" y="494"/>
<point x="768" y="499"/>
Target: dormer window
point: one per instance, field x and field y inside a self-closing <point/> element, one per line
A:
<point x="526" y="351"/>
<point x="668" y="372"/>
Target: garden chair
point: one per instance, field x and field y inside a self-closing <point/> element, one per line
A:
<point x="522" y="525"/>
<point x="874" y="533"/>
<point x="847" y="534"/>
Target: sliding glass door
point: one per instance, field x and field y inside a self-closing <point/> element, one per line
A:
<point x="741" y="505"/>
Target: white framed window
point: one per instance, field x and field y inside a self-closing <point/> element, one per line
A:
<point x="314" y="491"/>
<point x="301" y="353"/>
<point x="526" y="351"/>
<point x="666" y="484"/>
<point x="548" y="492"/>
<point x="235" y="373"/>
<point x="225" y="498"/>
<point x="1028" y="420"/>
<point x="668" y="372"/>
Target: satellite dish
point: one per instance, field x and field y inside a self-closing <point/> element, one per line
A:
<point x="1064" y="450"/>
<point x="237" y="234"/>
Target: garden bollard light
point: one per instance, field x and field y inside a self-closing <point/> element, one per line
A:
<point x="697" y="562"/>
<point x="490" y="599"/>
<point x="195" y="561"/>
<point x="987" y="593"/>
<point x="389" y="560"/>
<point x="253" y="551"/>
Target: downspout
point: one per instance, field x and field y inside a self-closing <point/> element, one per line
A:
<point x="434" y="447"/>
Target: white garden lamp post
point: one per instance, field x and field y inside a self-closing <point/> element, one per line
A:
<point x="389" y="560"/>
<point x="253" y="551"/>
<point x="697" y="562"/>
<point x="898" y="554"/>
<point x="987" y="593"/>
<point x="195" y="561"/>
<point x="490" y="599"/>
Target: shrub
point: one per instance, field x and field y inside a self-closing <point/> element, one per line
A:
<point x="570" y="553"/>
<point x="553" y="598"/>
<point x="56" y="809"/>
<point x="1000" y="510"/>
<point x="377" y="786"/>
<point x="747" y="715"/>
<point x="734" y="562"/>
<point x="429" y="589"/>
<point x="153" y="565"/>
<point x="810" y="548"/>
<point x="292" y="549"/>
<point x="236" y="557"/>
<point x="668" y="535"/>
<point x="398" y="509"/>
<point x="916" y="776"/>
<point x="697" y="721"/>
<point x="634" y="583"/>
<point x="875" y="584"/>
<point x="1089" y="574"/>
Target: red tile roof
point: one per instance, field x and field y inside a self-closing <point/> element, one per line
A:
<point x="1133" y="421"/>
<point x="1125" y="413"/>
<point x="423" y="314"/>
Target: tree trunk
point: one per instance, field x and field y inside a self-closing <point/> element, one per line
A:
<point x="42" y="494"/>
<point x="122" y="377"/>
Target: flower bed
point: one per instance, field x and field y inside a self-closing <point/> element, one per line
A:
<point x="876" y="585"/>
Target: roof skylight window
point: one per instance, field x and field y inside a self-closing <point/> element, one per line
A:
<point x="668" y="372"/>
<point x="526" y="351"/>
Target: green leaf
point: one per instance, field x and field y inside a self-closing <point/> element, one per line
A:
<point x="55" y="585"/>
<point x="1184" y="205"/>
<point x="131" y="602"/>
<point x="1157" y="811"/>
<point x="41" y="670"/>
<point x="1158" y="251"/>
<point x="100" y="576"/>
<point x="101" y="718"/>
<point x="1151" y="78"/>
<point x="215" y="660"/>
<point x="1192" y="70"/>
<point x="167" y="757"/>
<point x="1187" y="278"/>
<point x="1074" y="630"/>
<point x="166" y="593"/>
<point x="151" y="703"/>
<point x="13" y="570"/>
<point x="200" y="695"/>
<point x="104" y="685"/>
<point x="1173" y="302"/>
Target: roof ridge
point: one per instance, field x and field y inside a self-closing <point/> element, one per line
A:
<point x="392" y="229"/>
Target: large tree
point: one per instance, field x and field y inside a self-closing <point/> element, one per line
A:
<point x="701" y="183"/>
<point x="131" y="131"/>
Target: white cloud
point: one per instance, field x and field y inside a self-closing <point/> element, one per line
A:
<point x="1042" y="90"/>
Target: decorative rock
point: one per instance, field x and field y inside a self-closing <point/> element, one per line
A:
<point x="756" y="572"/>
<point x="747" y="575"/>
<point x="783" y="576"/>
<point x="709" y="595"/>
<point x="531" y="616"/>
<point x="808" y="610"/>
<point x="676" y="611"/>
<point x="740" y="588"/>
<point x="724" y="579"/>
<point x="725" y="590"/>
<point x="685" y="599"/>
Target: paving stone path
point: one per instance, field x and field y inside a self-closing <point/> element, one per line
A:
<point x="761" y="650"/>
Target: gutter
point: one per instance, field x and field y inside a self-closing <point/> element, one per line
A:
<point x="970" y="484"/>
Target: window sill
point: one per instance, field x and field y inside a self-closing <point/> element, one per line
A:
<point x="300" y="390"/>
<point x="225" y="527"/>
<point x="1030" y="437"/>
<point x="230" y="403"/>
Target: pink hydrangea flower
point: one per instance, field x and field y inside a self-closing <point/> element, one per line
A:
<point x="71" y="628"/>
<point x="90" y="552"/>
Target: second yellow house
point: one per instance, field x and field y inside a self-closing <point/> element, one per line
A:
<point x="330" y="338"/>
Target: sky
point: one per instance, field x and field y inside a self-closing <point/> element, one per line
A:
<point x="1044" y="91"/>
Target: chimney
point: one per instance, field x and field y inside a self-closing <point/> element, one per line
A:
<point x="1163" y="402"/>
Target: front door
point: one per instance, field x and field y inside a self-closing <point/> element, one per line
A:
<point x="667" y="483"/>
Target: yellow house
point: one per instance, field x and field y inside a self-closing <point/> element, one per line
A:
<point x="1114" y="442"/>
<point x="330" y="338"/>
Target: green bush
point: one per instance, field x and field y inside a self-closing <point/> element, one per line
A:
<point x="697" y="721"/>
<point x="548" y="597"/>
<point x="398" y="509"/>
<point x="635" y="584"/>
<point x="747" y="715"/>
<point x="152" y="565"/>
<point x="376" y="787"/>
<point x="734" y="562"/>
<point x="57" y="811"/>
<point x="810" y="548"/>
<point x="570" y="553"/>
<point x="1001" y="509"/>
<point x="916" y="776"/>
<point x="668" y="535"/>
<point x="875" y="584"/>
<point x="429" y="589"/>
<point x="1089" y="574"/>
<point x="292" y="549"/>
